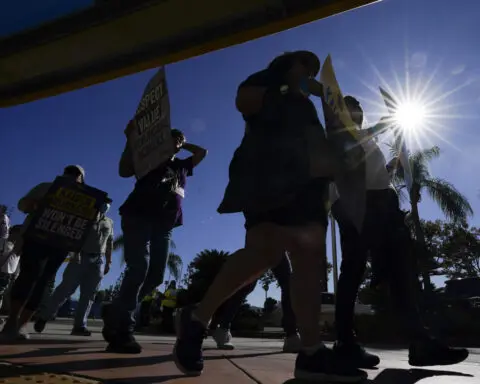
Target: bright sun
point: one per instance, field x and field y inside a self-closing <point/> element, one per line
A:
<point x="410" y="115"/>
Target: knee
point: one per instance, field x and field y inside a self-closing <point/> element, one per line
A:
<point x="267" y="240"/>
<point x="138" y="267"/>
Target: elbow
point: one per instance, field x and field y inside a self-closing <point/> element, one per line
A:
<point x="22" y="206"/>
<point x="125" y="172"/>
<point x="249" y="101"/>
<point x="124" y="175"/>
<point x="244" y="106"/>
<point x="198" y="158"/>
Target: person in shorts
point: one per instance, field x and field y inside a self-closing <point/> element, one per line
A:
<point x="225" y="315"/>
<point x="284" y="204"/>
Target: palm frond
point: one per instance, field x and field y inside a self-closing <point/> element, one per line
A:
<point x="174" y="265"/>
<point x="400" y="189"/>
<point x="453" y="204"/>
<point x="118" y="242"/>
<point x="426" y="155"/>
<point x="418" y="164"/>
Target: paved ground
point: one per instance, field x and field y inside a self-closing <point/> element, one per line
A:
<point x="254" y="361"/>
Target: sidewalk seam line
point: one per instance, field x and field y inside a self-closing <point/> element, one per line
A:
<point x="242" y="369"/>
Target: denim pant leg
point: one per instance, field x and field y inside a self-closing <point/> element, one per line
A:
<point x="92" y="277"/>
<point x="136" y="234"/>
<point x="5" y="279"/>
<point x="159" y="248"/>
<point x="70" y="282"/>
<point x="282" y="273"/>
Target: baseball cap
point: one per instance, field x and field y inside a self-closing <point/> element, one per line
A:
<point x="75" y="168"/>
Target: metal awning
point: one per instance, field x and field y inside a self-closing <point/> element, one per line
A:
<point x="118" y="38"/>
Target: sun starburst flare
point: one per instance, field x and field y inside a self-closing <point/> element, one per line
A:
<point x="425" y="107"/>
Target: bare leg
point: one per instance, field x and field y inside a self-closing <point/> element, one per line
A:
<point x="263" y="250"/>
<point x="307" y="257"/>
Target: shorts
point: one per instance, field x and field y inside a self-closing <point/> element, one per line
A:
<point x="308" y="206"/>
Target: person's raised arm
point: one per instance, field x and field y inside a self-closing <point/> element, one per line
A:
<point x="256" y="90"/>
<point x="384" y="124"/>
<point x="314" y="87"/>
<point x="198" y="153"/>
<point x="125" y="167"/>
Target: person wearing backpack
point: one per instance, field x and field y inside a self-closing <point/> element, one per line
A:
<point x="149" y="215"/>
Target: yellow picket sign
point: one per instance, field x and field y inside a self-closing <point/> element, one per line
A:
<point x="334" y="97"/>
<point x="338" y="121"/>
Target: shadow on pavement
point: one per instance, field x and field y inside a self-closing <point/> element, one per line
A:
<point x="399" y="376"/>
<point x="44" y="342"/>
<point x="144" y="380"/>
<point x="45" y="352"/>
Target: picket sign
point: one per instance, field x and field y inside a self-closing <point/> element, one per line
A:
<point x="149" y="137"/>
<point x="341" y="131"/>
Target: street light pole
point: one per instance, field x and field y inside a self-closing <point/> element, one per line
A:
<point x="334" y="253"/>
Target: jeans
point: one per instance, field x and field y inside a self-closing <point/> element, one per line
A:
<point x="86" y="274"/>
<point x="387" y="238"/>
<point x="282" y="273"/>
<point x="5" y="280"/>
<point x="39" y="263"/>
<point x="146" y="247"/>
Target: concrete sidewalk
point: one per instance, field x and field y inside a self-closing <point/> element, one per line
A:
<point x="39" y="359"/>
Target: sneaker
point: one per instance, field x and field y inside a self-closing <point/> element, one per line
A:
<point x="124" y="343"/>
<point x="39" y="325"/>
<point x="187" y="352"/>
<point x="356" y="355"/>
<point x="433" y="352"/>
<point x="22" y="334"/>
<point x="325" y="365"/>
<point x="80" y="331"/>
<point x="14" y="335"/>
<point x="292" y="344"/>
<point x="223" y="338"/>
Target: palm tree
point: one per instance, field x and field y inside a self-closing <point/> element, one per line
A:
<point x="174" y="266"/>
<point x="174" y="261"/>
<point x="451" y="202"/>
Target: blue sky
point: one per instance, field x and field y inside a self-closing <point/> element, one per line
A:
<point x="369" y="46"/>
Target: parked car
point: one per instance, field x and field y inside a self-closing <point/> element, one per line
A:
<point x="327" y="314"/>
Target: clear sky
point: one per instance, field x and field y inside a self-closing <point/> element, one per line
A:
<point x="434" y="41"/>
